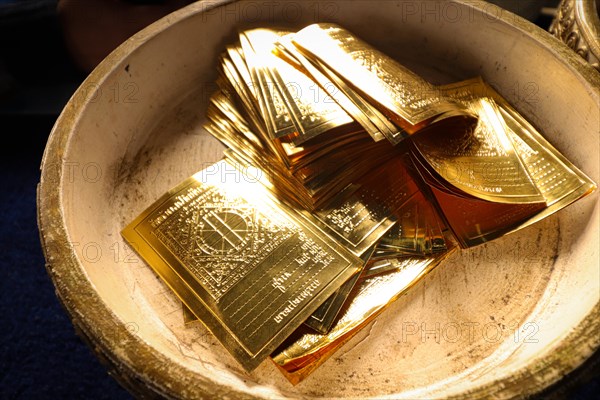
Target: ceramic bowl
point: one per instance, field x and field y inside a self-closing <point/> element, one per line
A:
<point x="505" y="319"/>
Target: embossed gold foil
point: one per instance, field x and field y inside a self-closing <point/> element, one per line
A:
<point x="404" y="97"/>
<point x="504" y="205"/>
<point x="315" y="175"/>
<point x="311" y="116"/>
<point x="305" y="351"/>
<point x="251" y="270"/>
<point x="271" y="104"/>
<point x="480" y="161"/>
<point x="558" y="180"/>
<point x="366" y="115"/>
<point x="311" y="168"/>
<point x="323" y="318"/>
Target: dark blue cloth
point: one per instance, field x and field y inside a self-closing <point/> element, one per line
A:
<point x="40" y="355"/>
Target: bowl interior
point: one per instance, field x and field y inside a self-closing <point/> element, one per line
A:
<point x="485" y="314"/>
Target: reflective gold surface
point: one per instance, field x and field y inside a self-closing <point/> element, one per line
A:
<point x="324" y="316"/>
<point x="250" y="271"/>
<point x="419" y="231"/>
<point x="577" y="24"/>
<point x="400" y="94"/>
<point x="531" y="174"/>
<point x="298" y="93"/>
<point x="304" y="351"/>
<point x="480" y="161"/>
<point x="558" y="180"/>
<point x="330" y="87"/>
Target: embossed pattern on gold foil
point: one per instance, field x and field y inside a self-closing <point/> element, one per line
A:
<point x="558" y="180"/>
<point x="250" y="270"/>
<point x="272" y="105"/>
<point x="371" y="120"/>
<point x="308" y="350"/>
<point x="310" y="114"/>
<point x="481" y="161"/>
<point x="535" y="163"/>
<point x="324" y="317"/>
<point x="398" y="92"/>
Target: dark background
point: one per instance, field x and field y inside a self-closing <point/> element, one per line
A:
<point x="40" y="354"/>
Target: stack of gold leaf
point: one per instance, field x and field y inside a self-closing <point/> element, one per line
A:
<point x="314" y="134"/>
<point x="497" y="177"/>
<point x="346" y="178"/>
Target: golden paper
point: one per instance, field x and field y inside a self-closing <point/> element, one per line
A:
<point x="323" y="318"/>
<point x="400" y="94"/>
<point x="311" y="115"/>
<point x="308" y="350"/>
<point x="238" y="80"/>
<point x="474" y="221"/>
<point x="271" y="104"/>
<point x="314" y="175"/>
<point x="362" y="112"/>
<point x="481" y="162"/>
<point x="559" y="181"/>
<point x="250" y="269"/>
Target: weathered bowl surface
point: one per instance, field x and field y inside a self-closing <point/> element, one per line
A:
<point x="505" y="319"/>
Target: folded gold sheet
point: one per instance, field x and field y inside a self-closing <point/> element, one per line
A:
<point x="251" y="270"/>
<point x="510" y="177"/>
<point x="558" y="180"/>
<point x="304" y="351"/>
<point x="481" y="162"/>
